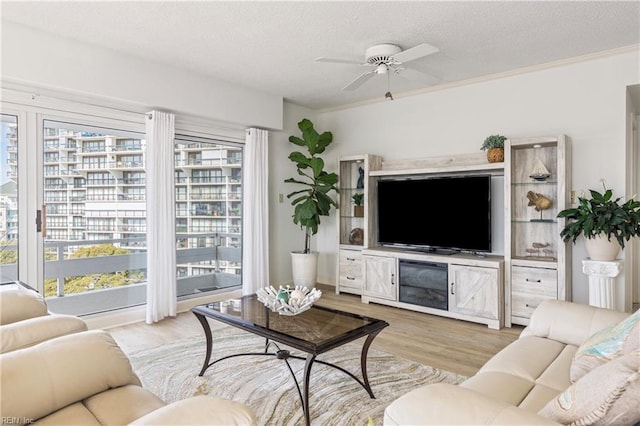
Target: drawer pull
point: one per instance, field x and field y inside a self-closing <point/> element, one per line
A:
<point x="350" y="278"/>
<point x="530" y="306"/>
<point x="452" y="284"/>
<point x="531" y="281"/>
<point x="351" y="259"/>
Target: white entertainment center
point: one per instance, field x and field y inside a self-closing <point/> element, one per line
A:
<point x="476" y="287"/>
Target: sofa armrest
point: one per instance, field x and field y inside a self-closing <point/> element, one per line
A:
<point x="19" y="302"/>
<point x="23" y="334"/>
<point x="568" y="322"/>
<point x="446" y="404"/>
<point x="200" y="410"/>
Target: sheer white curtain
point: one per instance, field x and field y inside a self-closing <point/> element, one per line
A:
<point x="161" y="242"/>
<point x="255" y="214"/>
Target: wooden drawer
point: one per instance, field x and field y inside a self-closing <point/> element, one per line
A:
<point x="523" y="304"/>
<point x="529" y="287"/>
<point x="534" y="281"/>
<point x="350" y="269"/>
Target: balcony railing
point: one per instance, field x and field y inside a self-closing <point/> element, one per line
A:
<point x="95" y="300"/>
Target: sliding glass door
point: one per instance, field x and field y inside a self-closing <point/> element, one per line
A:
<point x="94" y="218"/>
<point x="73" y="206"/>
<point x="8" y="197"/>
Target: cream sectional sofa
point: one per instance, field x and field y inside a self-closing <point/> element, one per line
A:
<point x="26" y="321"/>
<point x="86" y="379"/>
<point x="534" y="373"/>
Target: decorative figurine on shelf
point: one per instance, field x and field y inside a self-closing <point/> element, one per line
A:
<point x="360" y="183"/>
<point x="540" y="202"/>
<point x="535" y="249"/>
<point x="356" y="237"/>
<point x="539" y="172"/>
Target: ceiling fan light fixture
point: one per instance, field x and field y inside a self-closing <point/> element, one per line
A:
<point x="382" y="69"/>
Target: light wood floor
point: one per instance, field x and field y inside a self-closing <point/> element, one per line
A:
<point x="457" y="346"/>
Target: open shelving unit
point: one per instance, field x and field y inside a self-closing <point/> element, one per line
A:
<point x="355" y="232"/>
<point x="536" y="259"/>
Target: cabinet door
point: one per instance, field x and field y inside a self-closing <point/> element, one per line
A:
<point x="380" y="277"/>
<point x="473" y="291"/>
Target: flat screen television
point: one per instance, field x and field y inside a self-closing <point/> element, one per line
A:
<point x="435" y="213"/>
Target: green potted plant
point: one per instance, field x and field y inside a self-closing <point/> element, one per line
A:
<point x="494" y="145"/>
<point x="313" y="200"/>
<point x="358" y="208"/>
<point x="604" y="221"/>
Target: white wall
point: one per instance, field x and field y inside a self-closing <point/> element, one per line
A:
<point x="37" y="58"/>
<point x="584" y="100"/>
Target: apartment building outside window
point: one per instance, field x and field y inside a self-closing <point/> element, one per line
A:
<point x="9" y="197"/>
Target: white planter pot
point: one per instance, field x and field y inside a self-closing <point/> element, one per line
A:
<point x="600" y="248"/>
<point x="305" y="269"/>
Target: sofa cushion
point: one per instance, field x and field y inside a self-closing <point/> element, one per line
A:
<point x="22" y="334"/>
<point x="516" y="377"/>
<point x="18" y="303"/>
<point x="568" y="322"/>
<point x="115" y="407"/>
<point x="51" y="375"/>
<point x="605" y="345"/>
<point x="517" y="359"/>
<point x="606" y="395"/>
<point x="446" y="404"/>
<point x="200" y="410"/>
<point x="71" y="415"/>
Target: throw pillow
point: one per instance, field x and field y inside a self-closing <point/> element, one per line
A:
<point x="605" y="345"/>
<point x="606" y="395"/>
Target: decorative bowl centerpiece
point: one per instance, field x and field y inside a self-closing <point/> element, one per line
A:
<point x="288" y="301"/>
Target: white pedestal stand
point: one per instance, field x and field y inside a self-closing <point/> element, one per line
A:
<point x="602" y="277"/>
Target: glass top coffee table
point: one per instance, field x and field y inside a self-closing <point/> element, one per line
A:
<point x="313" y="332"/>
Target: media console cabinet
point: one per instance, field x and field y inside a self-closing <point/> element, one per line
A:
<point x="494" y="290"/>
<point x="461" y="286"/>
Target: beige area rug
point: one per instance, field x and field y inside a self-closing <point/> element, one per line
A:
<point x="265" y="383"/>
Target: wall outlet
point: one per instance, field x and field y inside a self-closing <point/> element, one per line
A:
<point x="573" y="197"/>
<point x="281" y="198"/>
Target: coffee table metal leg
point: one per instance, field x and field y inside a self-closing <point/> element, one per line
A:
<point x="363" y="362"/>
<point x="207" y="333"/>
<point x="307" y="376"/>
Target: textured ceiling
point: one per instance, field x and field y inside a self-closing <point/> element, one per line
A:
<point x="271" y="46"/>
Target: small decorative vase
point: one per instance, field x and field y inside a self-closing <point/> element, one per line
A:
<point x="495" y="155"/>
<point x="358" y="211"/>
<point x="600" y="248"/>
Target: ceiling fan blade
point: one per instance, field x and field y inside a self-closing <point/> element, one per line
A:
<point x="415" y="75"/>
<point x="415" y="52"/>
<point x="337" y="61"/>
<point x="362" y="78"/>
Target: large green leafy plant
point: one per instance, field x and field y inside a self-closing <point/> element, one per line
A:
<point x="602" y="214"/>
<point x="313" y="200"/>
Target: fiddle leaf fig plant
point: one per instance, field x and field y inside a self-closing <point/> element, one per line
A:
<point x="602" y="214"/>
<point x="313" y="200"/>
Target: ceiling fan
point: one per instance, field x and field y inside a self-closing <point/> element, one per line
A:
<point x="387" y="58"/>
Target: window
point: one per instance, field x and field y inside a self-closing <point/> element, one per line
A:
<point x="207" y="217"/>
